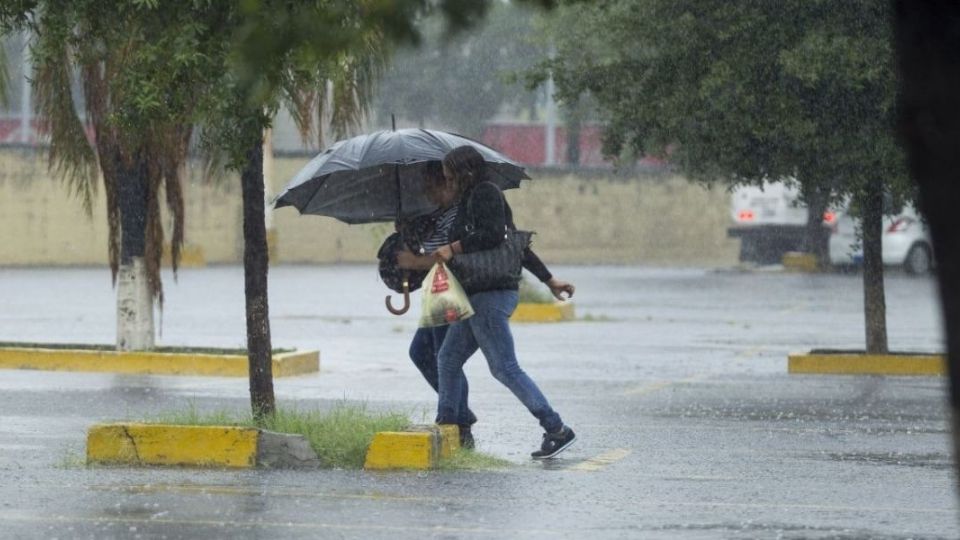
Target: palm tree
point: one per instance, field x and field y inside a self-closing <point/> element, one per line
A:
<point x="331" y="89"/>
<point x="134" y="133"/>
<point x="150" y="75"/>
<point x="141" y="69"/>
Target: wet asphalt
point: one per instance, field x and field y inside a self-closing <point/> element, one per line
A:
<point x="674" y="379"/>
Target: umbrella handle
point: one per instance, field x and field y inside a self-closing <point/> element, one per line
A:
<point x="406" y="299"/>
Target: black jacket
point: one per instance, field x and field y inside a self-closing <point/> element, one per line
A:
<point x="481" y="217"/>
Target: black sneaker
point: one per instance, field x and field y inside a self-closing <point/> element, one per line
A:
<point x="466" y="438"/>
<point x="554" y="443"/>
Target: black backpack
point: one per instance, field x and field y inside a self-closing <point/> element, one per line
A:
<point x="412" y="235"/>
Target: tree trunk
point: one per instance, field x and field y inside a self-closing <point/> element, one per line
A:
<point x="135" y="330"/>
<point x="927" y="38"/>
<point x="816" y="239"/>
<point x="874" y="302"/>
<point x="255" y="264"/>
<point x="574" y="123"/>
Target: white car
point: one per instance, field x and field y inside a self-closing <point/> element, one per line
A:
<point x="905" y="241"/>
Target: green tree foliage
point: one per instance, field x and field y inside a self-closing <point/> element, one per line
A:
<point x="300" y="51"/>
<point x="152" y="71"/>
<point x="740" y="92"/>
<point x="749" y="91"/>
<point x="140" y="69"/>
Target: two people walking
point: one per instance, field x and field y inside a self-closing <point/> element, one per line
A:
<point x="472" y="217"/>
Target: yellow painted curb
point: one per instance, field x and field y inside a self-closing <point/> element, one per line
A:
<point x="419" y="447"/>
<point x="867" y="364"/>
<point x="449" y="439"/>
<point x="152" y="363"/>
<point x="800" y="262"/>
<point x="191" y="256"/>
<point x="530" y="312"/>
<point x="155" y="444"/>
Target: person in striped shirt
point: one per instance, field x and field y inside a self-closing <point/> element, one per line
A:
<point x="426" y="342"/>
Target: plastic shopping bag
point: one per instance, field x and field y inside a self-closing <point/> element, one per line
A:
<point x="444" y="301"/>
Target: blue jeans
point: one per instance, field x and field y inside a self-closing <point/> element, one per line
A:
<point x="423" y="351"/>
<point x="489" y="331"/>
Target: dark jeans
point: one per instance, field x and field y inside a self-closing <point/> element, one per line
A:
<point x="423" y="351"/>
<point x="488" y="330"/>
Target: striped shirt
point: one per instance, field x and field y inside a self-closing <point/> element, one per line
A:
<point x="441" y="230"/>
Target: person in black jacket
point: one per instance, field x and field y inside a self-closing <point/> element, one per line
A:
<point x="482" y="217"/>
<point x="426" y="342"/>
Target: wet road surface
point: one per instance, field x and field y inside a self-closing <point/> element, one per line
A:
<point x="675" y="379"/>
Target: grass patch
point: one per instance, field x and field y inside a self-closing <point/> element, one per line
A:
<point x="471" y="460"/>
<point x="193" y="417"/>
<point x="339" y="436"/>
<point x="534" y="294"/>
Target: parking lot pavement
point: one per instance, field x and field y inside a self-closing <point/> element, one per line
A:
<point x="675" y="380"/>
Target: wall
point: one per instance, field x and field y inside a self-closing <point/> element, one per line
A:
<point x="597" y="219"/>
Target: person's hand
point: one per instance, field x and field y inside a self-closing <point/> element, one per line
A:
<point x="406" y="259"/>
<point x="558" y="287"/>
<point x="443" y="253"/>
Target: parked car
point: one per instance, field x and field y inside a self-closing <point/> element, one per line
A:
<point x="905" y="241"/>
<point x="769" y="220"/>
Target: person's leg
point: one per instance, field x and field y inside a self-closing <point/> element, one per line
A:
<point x="458" y="345"/>
<point x="491" y="330"/>
<point x="423" y="352"/>
<point x="465" y="417"/>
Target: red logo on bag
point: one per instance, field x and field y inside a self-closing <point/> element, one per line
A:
<point x="440" y="282"/>
<point x="451" y="315"/>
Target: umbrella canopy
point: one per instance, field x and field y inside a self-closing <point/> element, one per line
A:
<point x="355" y="180"/>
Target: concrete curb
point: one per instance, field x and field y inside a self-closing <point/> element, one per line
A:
<point x="196" y="446"/>
<point x="418" y="447"/>
<point x="794" y="261"/>
<point x="867" y="364"/>
<point x="531" y="312"/>
<point x="152" y="363"/>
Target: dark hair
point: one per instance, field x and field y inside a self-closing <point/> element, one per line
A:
<point x="467" y="166"/>
<point x="433" y="174"/>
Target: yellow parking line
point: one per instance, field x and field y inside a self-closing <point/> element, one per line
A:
<point x="257" y="524"/>
<point x="603" y="460"/>
<point x="646" y="389"/>
<point x="246" y="491"/>
<point x="650" y="388"/>
<point x="802" y="305"/>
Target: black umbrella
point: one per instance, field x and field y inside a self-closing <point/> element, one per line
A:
<point x="378" y="176"/>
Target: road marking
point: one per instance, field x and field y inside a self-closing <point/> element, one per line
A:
<point x="246" y="491"/>
<point x="602" y="461"/>
<point x="802" y="305"/>
<point x="5" y="447"/>
<point x="257" y="524"/>
<point x="749" y="353"/>
<point x="650" y="388"/>
<point x="160" y="519"/>
<point x="647" y="389"/>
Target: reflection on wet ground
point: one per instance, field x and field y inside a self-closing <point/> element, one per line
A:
<point x="675" y="380"/>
